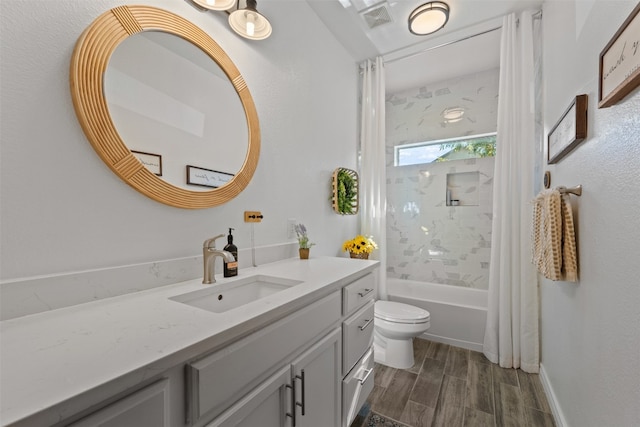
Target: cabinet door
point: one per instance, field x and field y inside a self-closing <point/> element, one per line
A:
<point x="265" y="406"/>
<point x="316" y="374"/>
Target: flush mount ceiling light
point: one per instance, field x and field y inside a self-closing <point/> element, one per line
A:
<point x="215" y="4"/>
<point x="428" y="18"/>
<point x="250" y="24"/>
<point x="453" y="114"/>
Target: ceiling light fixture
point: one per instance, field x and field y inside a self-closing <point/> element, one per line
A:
<point x="250" y="24"/>
<point x="453" y="114"/>
<point x="428" y="18"/>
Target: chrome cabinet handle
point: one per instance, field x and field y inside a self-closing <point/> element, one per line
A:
<point x="363" y="327"/>
<point x="364" y="292"/>
<point x="292" y="414"/>
<point x="364" y="379"/>
<point x="301" y="404"/>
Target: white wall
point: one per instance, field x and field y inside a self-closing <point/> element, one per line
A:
<point x="62" y="209"/>
<point x="590" y="330"/>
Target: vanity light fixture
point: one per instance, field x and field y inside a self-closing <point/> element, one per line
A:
<point x="249" y="23"/>
<point x="215" y="4"/>
<point x="428" y="18"/>
<point x="246" y="22"/>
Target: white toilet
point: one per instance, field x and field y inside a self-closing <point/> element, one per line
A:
<point x="395" y="326"/>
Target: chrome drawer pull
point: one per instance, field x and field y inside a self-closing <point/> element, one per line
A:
<point x="292" y="414"/>
<point x="363" y="327"/>
<point x="365" y="292"/>
<point x="364" y="379"/>
<point x="301" y="404"/>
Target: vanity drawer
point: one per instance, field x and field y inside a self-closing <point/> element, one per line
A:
<point x="357" y="336"/>
<point x="148" y="407"/>
<point x="356" y="294"/>
<point x="356" y="387"/>
<point x="216" y="381"/>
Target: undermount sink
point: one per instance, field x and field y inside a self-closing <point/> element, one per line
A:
<point x="230" y="295"/>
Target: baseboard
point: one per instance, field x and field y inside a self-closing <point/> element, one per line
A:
<point x="454" y="342"/>
<point x="556" y="410"/>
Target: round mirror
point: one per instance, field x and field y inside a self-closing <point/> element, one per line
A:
<point x="165" y="107"/>
<point x="174" y="106"/>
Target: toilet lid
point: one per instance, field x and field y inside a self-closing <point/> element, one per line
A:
<point x="400" y="313"/>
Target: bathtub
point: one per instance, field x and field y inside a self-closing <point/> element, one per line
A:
<point x="458" y="315"/>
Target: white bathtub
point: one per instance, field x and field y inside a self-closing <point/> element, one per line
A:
<point x="458" y="315"/>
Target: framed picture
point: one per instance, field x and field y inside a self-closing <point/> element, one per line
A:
<point x="570" y="130"/>
<point x="620" y="62"/>
<point x="207" y="177"/>
<point x="151" y="161"/>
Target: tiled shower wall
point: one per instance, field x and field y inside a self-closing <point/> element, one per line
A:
<point x="426" y="239"/>
<point x="431" y="242"/>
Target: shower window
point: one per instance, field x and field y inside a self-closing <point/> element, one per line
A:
<point x="468" y="147"/>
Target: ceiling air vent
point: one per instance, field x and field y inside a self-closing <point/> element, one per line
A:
<point x="376" y="16"/>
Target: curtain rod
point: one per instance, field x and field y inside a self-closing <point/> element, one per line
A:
<point x="388" y="61"/>
<point x="535" y="15"/>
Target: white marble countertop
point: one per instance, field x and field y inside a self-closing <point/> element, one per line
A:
<point x="115" y="343"/>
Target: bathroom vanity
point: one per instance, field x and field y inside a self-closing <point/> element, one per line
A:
<point x="284" y="344"/>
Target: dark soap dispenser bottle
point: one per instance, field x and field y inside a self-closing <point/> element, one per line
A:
<point x="231" y="268"/>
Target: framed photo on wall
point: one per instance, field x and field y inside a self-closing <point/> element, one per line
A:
<point x="151" y="161"/>
<point x="569" y="131"/>
<point x="207" y="177"/>
<point x="620" y="62"/>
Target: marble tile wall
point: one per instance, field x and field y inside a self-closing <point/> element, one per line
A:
<point x="416" y="115"/>
<point x="431" y="242"/>
<point x="426" y="239"/>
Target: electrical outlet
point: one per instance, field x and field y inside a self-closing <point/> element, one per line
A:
<point x="291" y="228"/>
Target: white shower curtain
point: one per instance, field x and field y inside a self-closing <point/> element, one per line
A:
<point x="372" y="163"/>
<point x="511" y="337"/>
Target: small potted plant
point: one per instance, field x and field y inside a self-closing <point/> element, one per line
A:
<point x="303" y="241"/>
<point x="359" y="247"/>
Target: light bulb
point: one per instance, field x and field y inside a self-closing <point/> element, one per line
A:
<point x="251" y="24"/>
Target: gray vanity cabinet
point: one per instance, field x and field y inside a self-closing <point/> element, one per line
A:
<point x="308" y="340"/>
<point x="310" y="386"/>
<point x="326" y="346"/>
<point x="313" y="367"/>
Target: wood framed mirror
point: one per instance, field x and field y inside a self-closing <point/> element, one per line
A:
<point x="89" y="64"/>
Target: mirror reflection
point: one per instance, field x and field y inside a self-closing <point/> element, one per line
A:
<point x="176" y="110"/>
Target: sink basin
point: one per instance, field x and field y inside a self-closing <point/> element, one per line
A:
<point x="230" y="295"/>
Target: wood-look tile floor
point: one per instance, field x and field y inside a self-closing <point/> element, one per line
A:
<point x="450" y="386"/>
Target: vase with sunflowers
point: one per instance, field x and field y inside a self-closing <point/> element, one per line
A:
<point x="360" y="246"/>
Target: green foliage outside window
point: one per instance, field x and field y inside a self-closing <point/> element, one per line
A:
<point x="480" y="147"/>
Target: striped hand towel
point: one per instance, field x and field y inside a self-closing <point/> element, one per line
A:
<point x="554" y="244"/>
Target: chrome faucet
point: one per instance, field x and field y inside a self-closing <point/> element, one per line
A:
<point x="209" y="254"/>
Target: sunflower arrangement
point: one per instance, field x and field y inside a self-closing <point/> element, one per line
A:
<point x="359" y="245"/>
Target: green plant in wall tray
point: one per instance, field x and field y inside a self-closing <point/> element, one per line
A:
<point x="344" y="197"/>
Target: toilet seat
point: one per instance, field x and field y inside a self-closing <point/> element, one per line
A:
<point x="397" y="312"/>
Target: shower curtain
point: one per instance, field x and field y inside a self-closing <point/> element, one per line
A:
<point x="511" y="336"/>
<point x="372" y="164"/>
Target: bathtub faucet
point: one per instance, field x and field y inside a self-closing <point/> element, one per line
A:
<point x="209" y="254"/>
